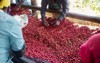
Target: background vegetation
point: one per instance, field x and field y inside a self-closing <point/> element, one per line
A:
<point x="90" y="4"/>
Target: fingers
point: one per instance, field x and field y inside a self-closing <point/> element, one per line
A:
<point x="45" y="23"/>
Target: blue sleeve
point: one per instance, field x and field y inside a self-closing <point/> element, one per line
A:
<point x="64" y="8"/>
<point x="65" y="5"/>
<point x="16" y="37"/>
<point x="44" y="4"/>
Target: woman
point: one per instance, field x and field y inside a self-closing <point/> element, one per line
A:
<point x="90" y="50"/>
<point x="11" y="39"/>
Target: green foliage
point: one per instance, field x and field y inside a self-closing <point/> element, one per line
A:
<point x="92" y="4"/>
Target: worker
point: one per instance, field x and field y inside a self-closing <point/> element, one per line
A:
<point x="11" y="39"/>
<point x="90" y="50"/>
<point x="61" y="5"/>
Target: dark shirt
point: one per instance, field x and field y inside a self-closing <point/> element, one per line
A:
<point x="62" y="4"/>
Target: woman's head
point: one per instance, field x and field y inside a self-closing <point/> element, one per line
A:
<point x="4" y="4"/>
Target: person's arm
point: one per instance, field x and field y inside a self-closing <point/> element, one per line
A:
<point x="44" y="4"/>
<point x="16" y="40"/>
<point x="19" y="3"/>
<point x="43" y="8"/>
<point x="64" y="9"/>
<point x="63" y="5"/>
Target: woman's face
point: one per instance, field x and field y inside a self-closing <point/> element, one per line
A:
<point x="5" y="9"/>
